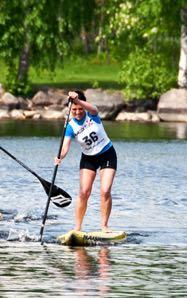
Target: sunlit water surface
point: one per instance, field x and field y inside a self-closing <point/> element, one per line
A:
<point x="149" y="203"/>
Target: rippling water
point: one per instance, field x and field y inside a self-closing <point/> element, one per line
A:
<point x="149" y="203"/>
<point x="29" y="270"/>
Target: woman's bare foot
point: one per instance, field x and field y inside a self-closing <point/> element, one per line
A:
<point x="106" y="230"/>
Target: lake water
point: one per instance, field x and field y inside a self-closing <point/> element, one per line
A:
<point x="149" y="203"/>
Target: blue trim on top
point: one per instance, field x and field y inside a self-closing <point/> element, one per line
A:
<point x="95" y="118"/>
<point x="105" y="148"/>
<point x="69" y="131"/>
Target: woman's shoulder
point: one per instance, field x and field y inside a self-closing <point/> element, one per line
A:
<point x="95" y="118"/>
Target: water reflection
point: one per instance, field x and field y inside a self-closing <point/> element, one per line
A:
<point x="32" y="270"/>
<point x="180" y="130"/>
<point x="116" y="130"/>
<point x="88" y="268"/>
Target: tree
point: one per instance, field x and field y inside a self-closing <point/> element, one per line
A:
<point x="182" y="75"/>
<point x="150" y="29"/>
<point x="31" y="32"/>
<point x="143" y="34"/>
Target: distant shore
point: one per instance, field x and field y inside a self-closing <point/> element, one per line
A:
<point x="50" y="104"/>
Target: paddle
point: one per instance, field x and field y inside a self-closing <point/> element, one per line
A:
<point x="58" y="196"/>
<point x="55" y="170"/>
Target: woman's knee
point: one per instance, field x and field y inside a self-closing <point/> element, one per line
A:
<point x="84" y="193"/>
<point x="105" y="193"/>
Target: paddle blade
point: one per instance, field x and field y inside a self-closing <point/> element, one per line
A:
<point x="59" y="197"/>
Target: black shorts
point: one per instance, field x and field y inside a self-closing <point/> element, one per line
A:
<point x="107" y="159"/>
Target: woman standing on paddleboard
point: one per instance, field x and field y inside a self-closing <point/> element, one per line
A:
<point x="97" y="153"/>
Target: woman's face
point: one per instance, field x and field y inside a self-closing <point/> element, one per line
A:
<point x="77" y="111"/>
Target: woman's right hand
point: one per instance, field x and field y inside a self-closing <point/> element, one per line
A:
<point x="57" y="161"/>
<point x="74" y="96"/>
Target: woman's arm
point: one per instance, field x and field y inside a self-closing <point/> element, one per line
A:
<point x="64" y="151"/>
<point x="86" y="105"/>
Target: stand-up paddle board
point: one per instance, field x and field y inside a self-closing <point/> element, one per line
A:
<point x="77" y="238"/>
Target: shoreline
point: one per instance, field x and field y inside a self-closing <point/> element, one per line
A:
<point x="53" y="115"/>
<point x="50" y="104"/>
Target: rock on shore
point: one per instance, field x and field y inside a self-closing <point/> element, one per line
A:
<point x="50" y="104"/>
<point x="173" y="105"/>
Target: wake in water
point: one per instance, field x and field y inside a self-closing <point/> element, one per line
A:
<point x="12" y="225"/>
<point x="21" y="226"/>
<point x="24" y="216"/>
<point x="22" y="236"/>
<point x="7" y="214"/>
<point x="32" y="215"/>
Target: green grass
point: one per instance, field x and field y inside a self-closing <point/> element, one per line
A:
<point x="76" y="72"/>
<point x="79" y="73"/>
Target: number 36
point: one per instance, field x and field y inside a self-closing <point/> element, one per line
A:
<point x="92" y="138"/>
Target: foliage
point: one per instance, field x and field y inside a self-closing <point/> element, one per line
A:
<point x="152" y="45"/>
<point x="143" y="35"/>
<point x="146" y="75"/>
<point x="37" y="25"/>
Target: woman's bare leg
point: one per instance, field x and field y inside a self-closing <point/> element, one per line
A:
<point x="86" y="181"/>
<point x="106" y="177"/>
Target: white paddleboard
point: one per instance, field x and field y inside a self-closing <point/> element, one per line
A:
<point x="77" y="238"/>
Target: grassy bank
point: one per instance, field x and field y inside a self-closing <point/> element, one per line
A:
<point x="74" y="73"/>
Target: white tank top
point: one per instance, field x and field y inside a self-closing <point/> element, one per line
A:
<point x="90" y="134"/>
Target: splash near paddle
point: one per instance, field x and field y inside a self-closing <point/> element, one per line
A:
<point x="77" y="238"/>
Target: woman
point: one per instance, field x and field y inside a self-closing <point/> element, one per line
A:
<point x="97" y="153"/>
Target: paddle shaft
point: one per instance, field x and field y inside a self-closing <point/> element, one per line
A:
<point x="46" y="185"/>
<point x="55" y="172"/>
<point x="22" y="164"/>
